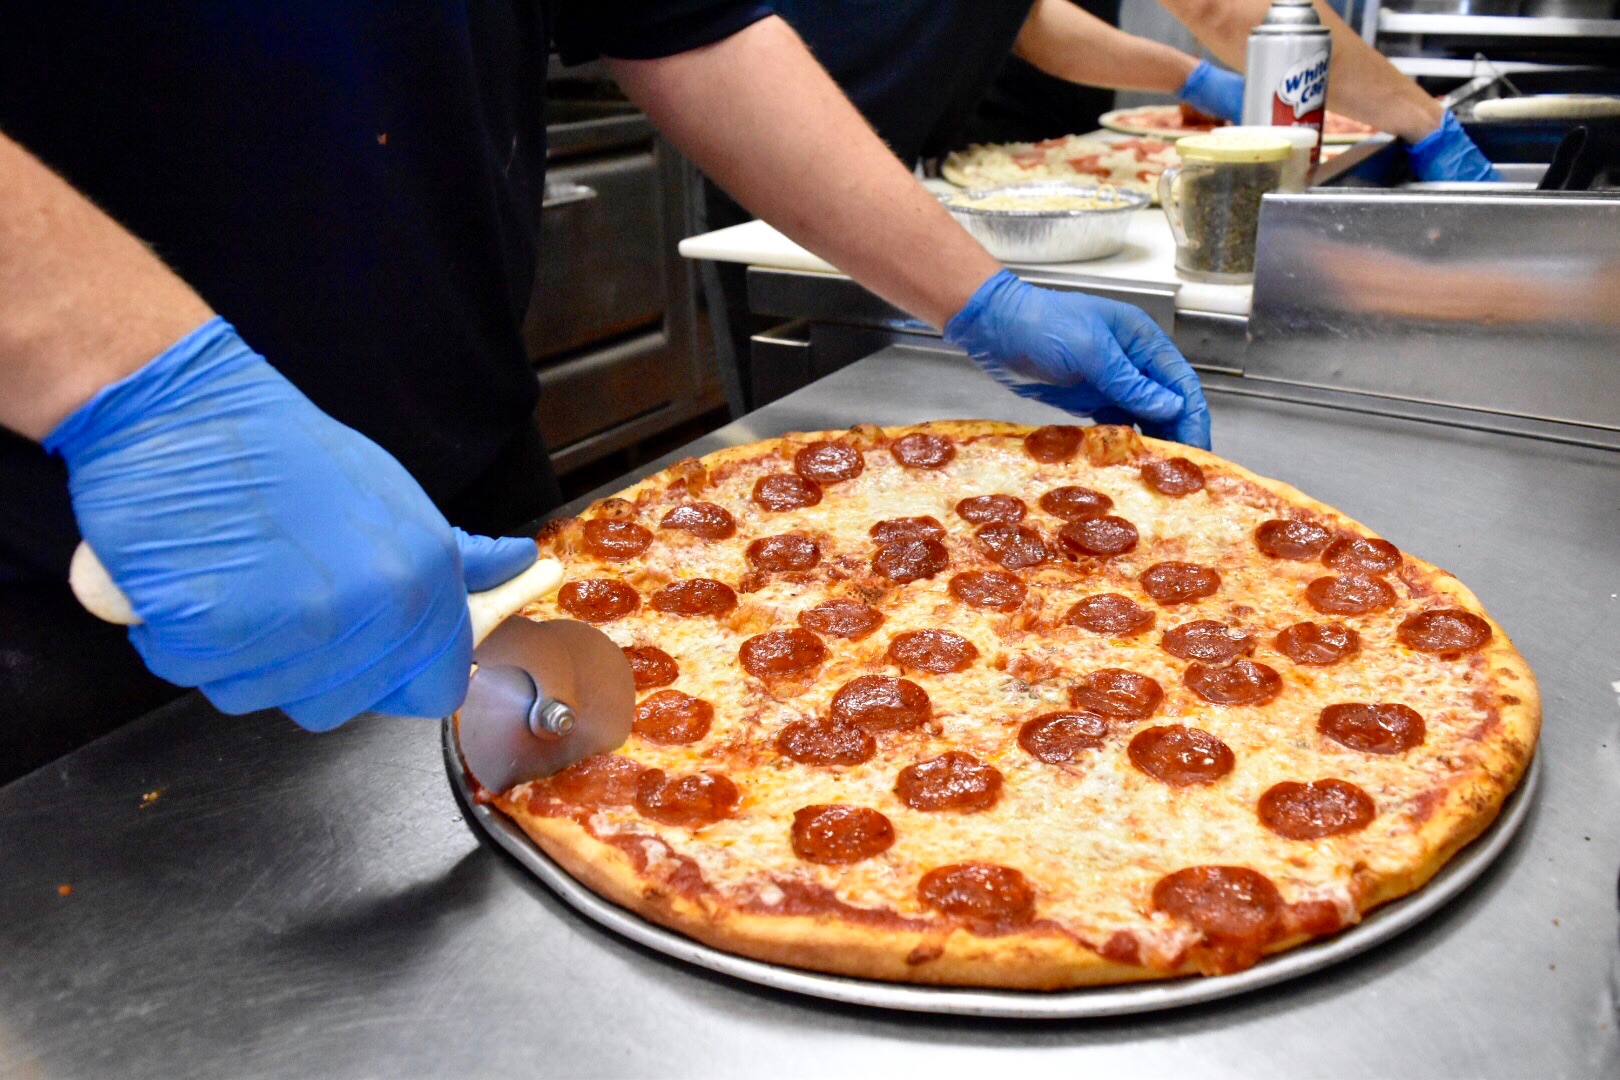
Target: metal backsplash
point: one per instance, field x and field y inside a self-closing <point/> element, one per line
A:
<point x="1503" y="303"/>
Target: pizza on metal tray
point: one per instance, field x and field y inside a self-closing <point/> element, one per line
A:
<point x="975" y="703"/>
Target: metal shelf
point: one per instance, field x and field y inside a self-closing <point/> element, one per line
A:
<point x="1505" y="26"/>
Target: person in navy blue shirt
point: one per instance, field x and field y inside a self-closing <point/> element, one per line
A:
<point x="268" y="422"/>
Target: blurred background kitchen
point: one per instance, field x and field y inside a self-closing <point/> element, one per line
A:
<point x="618" y="200"/>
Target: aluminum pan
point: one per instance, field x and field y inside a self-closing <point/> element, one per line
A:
<point x="1380" y="925"/>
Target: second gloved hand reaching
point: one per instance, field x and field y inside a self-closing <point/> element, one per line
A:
<point x="1213" y="91"/>
<point x="1082" y="353"/>
<point x="276" y="557"/>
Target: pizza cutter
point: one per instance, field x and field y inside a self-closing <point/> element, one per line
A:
<point x="543" y="694"/>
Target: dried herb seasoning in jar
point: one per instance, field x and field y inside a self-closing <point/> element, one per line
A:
<point x="1213" y="201"/>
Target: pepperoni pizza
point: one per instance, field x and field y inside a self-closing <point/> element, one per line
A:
<point x="980" y="704"/>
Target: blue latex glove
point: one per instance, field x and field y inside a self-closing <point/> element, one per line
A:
<point x="1447" y="153"/>
<point x="276" y="557"/>
<point x="1213" y="91"/>
<point x="1091" y="356"/>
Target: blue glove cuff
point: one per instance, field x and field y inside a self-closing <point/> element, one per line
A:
<point x="1213" y="91"/>
<point x="1447" y="153"/>
<point x="962" y="329"/>
<point x="211" y="350"/>
<point x="1194" y="80"/>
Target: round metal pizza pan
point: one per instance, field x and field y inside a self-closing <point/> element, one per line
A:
<point x="1379" y="926"/>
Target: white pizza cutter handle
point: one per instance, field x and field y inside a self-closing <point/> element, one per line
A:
<point x="102" y="597"/>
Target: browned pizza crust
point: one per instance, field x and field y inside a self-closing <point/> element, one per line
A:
<point x="1038" y="956"/>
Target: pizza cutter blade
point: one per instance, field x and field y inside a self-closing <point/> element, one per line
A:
<point x="545" y="695"/>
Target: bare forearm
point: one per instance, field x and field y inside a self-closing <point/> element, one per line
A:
<point x="759" y="115"/>
<point x="82" y="302"/>
<point x="1362" y="84"/>
<point x="1070" y="43"/>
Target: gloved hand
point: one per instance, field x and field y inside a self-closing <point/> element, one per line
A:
<point x="1213" y="91"/>
<point x="1447" y="153"/>
<point x="276" y="557"/>
<point x="1082" y="353"/>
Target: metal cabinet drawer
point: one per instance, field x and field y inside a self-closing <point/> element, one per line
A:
<point x="601" y="273"/>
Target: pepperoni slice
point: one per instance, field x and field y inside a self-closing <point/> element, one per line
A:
<point x="1362" y="555"/>
<point x="878" y="703"/>
<point x="1239" y="910"/>
<point x="1117" y="694"/>
<point x="597" y="600"/>
<point x="923" y="451"/>
<point x="828" y="462"/>
<point x="1111" y="614"/>
<point x="978" y="892"/>
<point x="783" y="552"/>
<point x="1179" y="582"/>
<point x="704" y="520"/>
<point x="1349" y="594"/>
<point x="1294" y="539"/>
<point x="1317" y="643"/>
<point x="1180" y="756"/>
<point x="1056" y="737"/>
<point x="616" y="540"/>
<point x="994" y="589"/>
<point x="1076" y="503"/>
<point x="651" y="666"/>
<point x="1103" y="537"/>
<point x="841" y="618"/>
<point x="899" y="530"/>
<point x="671" y="718"/>
<point x="1443" y="630"/>
<point x="991" y="510"/>
<point x="786" y="491"/>
<point x="1311" y="811"/>
<point x="911" y="560"/>
<point x="1174" y="477"/>
<point x="939" y="651"/>
<point x="781" y="653"/>
<point x="1242" y="682"/>
<point x="1053" y="443"/>
<point x="825" y="741"/>
<point x="834" y="834"/>
<point x="1385" y="728"/>
<point x="1207" y="640"/>
<point x="695" y="596"/>
<point x="599" y="780"/>
<point x="955" y="780"/>
<point x="1017" y="547"/>
<point x="690" y="802"/>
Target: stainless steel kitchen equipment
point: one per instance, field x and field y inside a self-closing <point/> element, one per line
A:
<point x="613" y="319"/>
<point x="295" y="905"/>
<point x="1376" y="928"/>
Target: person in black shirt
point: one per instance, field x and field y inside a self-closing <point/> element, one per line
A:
<point x="353" y="186"/>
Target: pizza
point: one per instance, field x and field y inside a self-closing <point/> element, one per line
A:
<point x="975" y="703"/>
<point x="1175" y="121"/>
<point x="1133" y="164"/>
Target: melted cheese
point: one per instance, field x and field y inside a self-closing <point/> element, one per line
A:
<point x="1094" y="835"/>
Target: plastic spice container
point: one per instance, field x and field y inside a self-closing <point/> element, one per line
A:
<point x="1213" y="201"/>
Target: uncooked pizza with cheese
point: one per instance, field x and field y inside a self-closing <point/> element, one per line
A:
<point x="1133" y="164"/>
<point x="975" y="703"/>
<point x="1175" y="121"/>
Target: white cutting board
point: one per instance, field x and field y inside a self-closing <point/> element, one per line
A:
<point x="1148" y="259"/>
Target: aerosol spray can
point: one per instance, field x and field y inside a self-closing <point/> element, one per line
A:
<point x="1286" y="80"/>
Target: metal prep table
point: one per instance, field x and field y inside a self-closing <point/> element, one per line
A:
<point x="312" y="905"/>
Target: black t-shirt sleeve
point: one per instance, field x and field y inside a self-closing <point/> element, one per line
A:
<point x="646" y="29"/>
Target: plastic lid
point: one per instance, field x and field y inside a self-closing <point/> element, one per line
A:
<point x="1233" y="146"/>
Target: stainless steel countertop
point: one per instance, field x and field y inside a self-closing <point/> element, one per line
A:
<point x="301" y="905"/>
